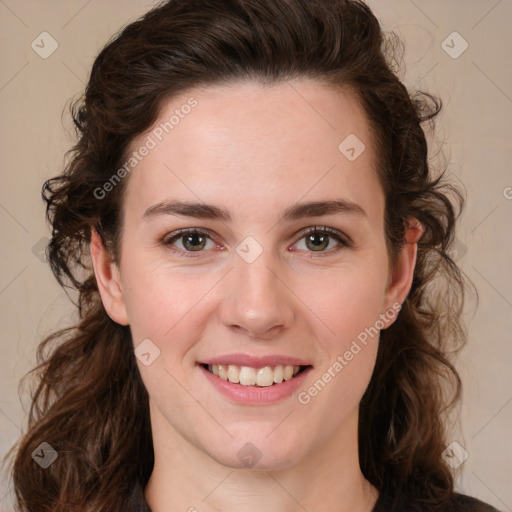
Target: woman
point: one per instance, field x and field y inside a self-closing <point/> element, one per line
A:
<point x="252" y="227"/>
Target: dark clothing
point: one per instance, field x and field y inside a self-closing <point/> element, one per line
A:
<point x="459" y="503"/>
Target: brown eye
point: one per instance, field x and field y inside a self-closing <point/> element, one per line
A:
<point x="318" y="239"/>
<point x="191" y="240"/>
<point x="194" y="241"/>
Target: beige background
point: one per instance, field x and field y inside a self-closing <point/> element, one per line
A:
<point x="475" y="126"/>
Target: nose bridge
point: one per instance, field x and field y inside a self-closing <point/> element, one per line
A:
<point x="257" y="299"/>
<point x="256" y="276"/>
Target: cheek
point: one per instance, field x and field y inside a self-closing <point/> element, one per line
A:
<point x="336" y="393"/>
<point x="170" y="307"/>
<point x="347" y="300"/>
<point x="351" y="309"/>
<point x="157" y="296"/>
<point x="352" y="342"/>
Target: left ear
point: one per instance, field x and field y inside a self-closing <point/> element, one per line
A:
<point x="400" y="280"/>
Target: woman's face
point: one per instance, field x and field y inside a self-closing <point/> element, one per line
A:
<point x="252" y="288"/>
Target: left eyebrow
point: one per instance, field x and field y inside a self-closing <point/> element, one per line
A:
<point x="294" y="212"/>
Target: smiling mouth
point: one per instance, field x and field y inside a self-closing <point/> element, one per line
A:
<point x="259" y="377"/>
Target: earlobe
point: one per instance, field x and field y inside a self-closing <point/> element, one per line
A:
<point x="401" y="279"/>
<point x="108" y="280"/>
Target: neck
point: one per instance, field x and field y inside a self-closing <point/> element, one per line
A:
<point x="186" y="478"/>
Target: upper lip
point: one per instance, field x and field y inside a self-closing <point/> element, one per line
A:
<point x="256" y="361"/>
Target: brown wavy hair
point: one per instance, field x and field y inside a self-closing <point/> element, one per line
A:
<point x="89" y="402"/>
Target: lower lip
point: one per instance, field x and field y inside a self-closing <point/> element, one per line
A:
<point x="256" y="395"/>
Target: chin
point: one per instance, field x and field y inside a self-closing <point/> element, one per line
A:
<point x="257" y="453"/>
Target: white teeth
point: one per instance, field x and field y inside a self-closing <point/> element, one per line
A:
<point x="233" y="373"/>
<point x="223" y="372"/>
<point x="247" y="376"/>
<point x="265" y="376"/>
<point x="278" y="374"/>
<point x="287" y="372"/>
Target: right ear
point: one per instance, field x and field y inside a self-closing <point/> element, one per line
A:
<point x="108" y="280"/>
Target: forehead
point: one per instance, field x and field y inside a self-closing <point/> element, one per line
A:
<point x="253" y="145"/>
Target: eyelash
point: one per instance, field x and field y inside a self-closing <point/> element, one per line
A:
<point x="324" y="230"/>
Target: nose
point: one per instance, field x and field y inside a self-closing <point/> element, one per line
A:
<point x="256" y="299"/>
